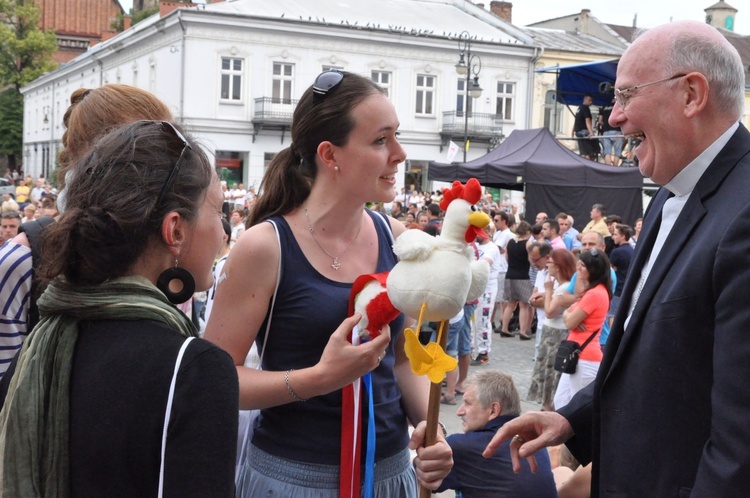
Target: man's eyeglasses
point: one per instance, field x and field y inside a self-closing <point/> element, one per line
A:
<point x="324" y="83"/>
<point x="623" y="96"/>
<point x="535" y="261"/>
<point x="170" y="128"/>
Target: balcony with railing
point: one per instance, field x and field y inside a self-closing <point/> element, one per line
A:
<point x="273" y="114"/>
<point x="479" y="126"/>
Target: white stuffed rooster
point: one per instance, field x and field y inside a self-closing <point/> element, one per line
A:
<point x="434" y="278"/>
<point x="441" y="272"/>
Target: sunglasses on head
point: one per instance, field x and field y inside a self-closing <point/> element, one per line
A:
<point x="183" y="142"/>
<point x="324" y="83"/>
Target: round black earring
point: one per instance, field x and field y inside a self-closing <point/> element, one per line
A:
<point x="181" y="275"/>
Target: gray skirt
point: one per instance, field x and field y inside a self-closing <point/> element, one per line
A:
<point x="266" y="475"/>
<point x="518" y="290"/>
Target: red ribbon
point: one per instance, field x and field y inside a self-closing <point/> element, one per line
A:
<point x="351" y="434"/>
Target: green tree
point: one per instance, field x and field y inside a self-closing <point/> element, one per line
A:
<point x="118" y="23"/>
<point x="25" y="50"/>
<point x="11" y="125"/>
<point x="25" y="54"/>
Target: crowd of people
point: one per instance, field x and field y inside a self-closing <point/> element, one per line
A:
<point x="32" y="200"/>
<point x="601" y="139"/>
<point x="657" y="317"/>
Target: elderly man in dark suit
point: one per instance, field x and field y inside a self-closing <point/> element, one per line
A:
<point x="668" y="412"/>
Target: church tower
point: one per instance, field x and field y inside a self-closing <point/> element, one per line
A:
<point x="721" y="15"/>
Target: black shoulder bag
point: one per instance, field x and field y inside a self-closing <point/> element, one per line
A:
<point x="566" y="359"/>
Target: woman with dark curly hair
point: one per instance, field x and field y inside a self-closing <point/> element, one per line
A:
<point x="112" y="394"/>
<point x="91" y="114"/>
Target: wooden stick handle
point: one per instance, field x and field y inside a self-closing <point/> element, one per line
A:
<point x="433" y="408"/>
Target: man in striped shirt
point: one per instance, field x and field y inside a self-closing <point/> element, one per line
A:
<point x="15" y="296"/>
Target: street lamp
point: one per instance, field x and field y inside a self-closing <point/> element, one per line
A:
<point x="46" y="110"/>
<point x="468" y="65"/>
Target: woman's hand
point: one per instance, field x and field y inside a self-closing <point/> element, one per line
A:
<point x="433" y="463"/>
<point x="549" y="285"/>
<point x="574" y="319"/>
<point x="342" y="363"/>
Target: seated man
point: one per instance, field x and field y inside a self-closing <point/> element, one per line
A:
<point x="490" y="400"/>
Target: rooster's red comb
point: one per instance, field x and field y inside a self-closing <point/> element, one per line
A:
<point x="471" y="192"/>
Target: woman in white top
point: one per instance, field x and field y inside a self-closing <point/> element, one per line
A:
<point x="544" y="379"/>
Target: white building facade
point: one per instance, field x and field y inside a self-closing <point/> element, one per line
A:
<point x="232" y="73"/>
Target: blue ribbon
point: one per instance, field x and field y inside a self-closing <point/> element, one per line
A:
<point x="369" y="484"/>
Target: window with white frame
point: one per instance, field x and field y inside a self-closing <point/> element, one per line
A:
<point x="553" y="112"/>
<point x="461" y="100"/>
<point x="283" y="76"/>
<point x="425" y="95"/>
<point x="231" y="78"/>
<point x="504" y="100"/>
<point x="383" y="79"/>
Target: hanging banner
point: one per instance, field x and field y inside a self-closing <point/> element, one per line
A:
<point x="452" y="151"/>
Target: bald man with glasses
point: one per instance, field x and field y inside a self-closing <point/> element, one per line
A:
<point x="665" y="415"/>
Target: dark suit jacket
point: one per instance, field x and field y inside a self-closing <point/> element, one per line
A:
<point x="669" y="412"/>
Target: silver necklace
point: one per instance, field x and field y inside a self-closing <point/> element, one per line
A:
<point x="335" y="265"/>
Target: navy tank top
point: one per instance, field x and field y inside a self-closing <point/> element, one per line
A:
<point x="309" y="307"/>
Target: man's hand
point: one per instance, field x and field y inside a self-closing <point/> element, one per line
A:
<point x="531" y="432"/>
<point x="537" y="300"/>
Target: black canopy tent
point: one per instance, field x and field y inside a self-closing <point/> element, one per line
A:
<point x="575" y="81"/>
<point x="555" y="178"/>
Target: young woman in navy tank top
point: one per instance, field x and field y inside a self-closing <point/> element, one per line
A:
<point x="344" y="153"/>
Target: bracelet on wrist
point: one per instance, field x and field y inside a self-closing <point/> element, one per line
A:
<point x="289" y="386"/>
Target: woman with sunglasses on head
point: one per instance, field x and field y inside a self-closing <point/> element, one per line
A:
<point x="344" y="153"/>
<point x="91" y="114"/>
<point x="107" y="397"/>
<point x="585" y="318"/>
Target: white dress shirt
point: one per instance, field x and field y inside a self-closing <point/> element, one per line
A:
<point x="682" y="185"/>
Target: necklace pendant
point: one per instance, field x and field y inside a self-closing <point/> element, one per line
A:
<point x="336" y="265"/>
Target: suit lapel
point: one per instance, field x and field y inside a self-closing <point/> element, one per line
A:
<point x="651" y="224"/>
<point x="677" y="240"/>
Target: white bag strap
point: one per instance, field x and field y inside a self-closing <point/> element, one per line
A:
<point x="169" y="412"/>
<point x="273" y="299"/>
<point x="386" y="224"/>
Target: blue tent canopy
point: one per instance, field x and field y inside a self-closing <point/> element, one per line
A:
<point x="595" y="78"/>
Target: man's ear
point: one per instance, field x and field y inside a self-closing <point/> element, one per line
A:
<point x="173" y="232"/>
<point x="495" y="410"/>
<point x="696" y="90"/>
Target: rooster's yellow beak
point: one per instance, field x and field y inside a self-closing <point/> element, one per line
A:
<point x="479" y="219"/>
